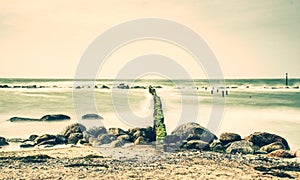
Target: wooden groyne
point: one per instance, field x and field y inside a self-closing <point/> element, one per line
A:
<point x="159" y="125"/>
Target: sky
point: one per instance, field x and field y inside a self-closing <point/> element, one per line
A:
<point x="251" y="39"/>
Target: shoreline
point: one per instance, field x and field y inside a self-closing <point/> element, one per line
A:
<point x="146" y="163"/>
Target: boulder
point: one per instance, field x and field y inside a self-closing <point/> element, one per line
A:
<point x="138" y="134"/>
<point x="44" y="137"/>
<point x="297" y="153"/>
<point x="116" y="131"/>
<point x="217" y="146"/>
<point x="104" y="139"/>
<point x="281" y="154"/>
<point x="171" y="139"/>
<point x="263" y="138"/>
<point x="21" y="119"/>
<point x="96" y="131"/>
<point x="228" y="137"/>
<point x="140" y="141"/>
<point x="91" y="116"/>
<point x="55" y="117"/>
<point x="116" y="143"/>
<point x="48" y="142"/>
<point x="32" y="137"/>
<point x="93" y="140"/>
<point x="147" y="133"/>
<point x="82" y="142"/>
<point x="73" y="128"/>
<point x="273" y="147"/>
<point x="61" y="139"/>
<point x="3" y="141"/>
<point x="243" y="147"/>
<point x="196" y="144"/>
<point x="195" y="130"/>
<point x="74" y="137"/>
<point x="124" y="138"/>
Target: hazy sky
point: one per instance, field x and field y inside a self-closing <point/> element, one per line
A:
<point x="251" y="38"/>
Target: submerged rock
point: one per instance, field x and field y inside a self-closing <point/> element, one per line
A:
<point x="281" y="154"/>
<point x="228" y="137"/>
<point x="27" y="144"/>
<point x="263" y="138"/>
<point x="55" y="117"/>
<point x="3" y="141"/>
<point x="16" y="119"/>
<point x="243" y="147"/>
<point x="91" y="116"/>
<point x="192" y="129"/>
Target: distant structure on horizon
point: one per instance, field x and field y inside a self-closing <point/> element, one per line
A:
<point x="286" y="79"/>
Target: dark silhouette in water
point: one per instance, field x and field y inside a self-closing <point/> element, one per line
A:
<point x="286" y="79"/>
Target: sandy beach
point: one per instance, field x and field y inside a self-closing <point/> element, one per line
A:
<point x="140" y="162"/>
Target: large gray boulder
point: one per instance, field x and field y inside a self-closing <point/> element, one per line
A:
<point x="243" y="147"/>
<point x="194" y="131"/>
<point x="21" y="119"/>
<point x="263" y="138"/>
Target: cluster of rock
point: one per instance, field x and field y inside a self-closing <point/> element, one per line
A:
<point x="96" y="136"/>
<point x="186" y="136"/>
<point x="194" y="136"/>
<point x="51" y="117"/>
<point x="117" y="137"/>
<point x="72" y="134"/>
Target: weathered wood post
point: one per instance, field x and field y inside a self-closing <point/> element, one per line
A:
<point x="286" y="79"/>
<point x="159" y="125"/>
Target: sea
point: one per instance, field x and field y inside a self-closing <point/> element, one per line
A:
<point x="242" y="106"/>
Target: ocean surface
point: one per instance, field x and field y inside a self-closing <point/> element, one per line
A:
<point x="250" y="105"/>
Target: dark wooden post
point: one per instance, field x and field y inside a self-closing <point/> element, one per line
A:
<point x="286" y="79"/>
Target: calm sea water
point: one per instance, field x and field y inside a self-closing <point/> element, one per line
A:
<point x="251" y="105"/>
